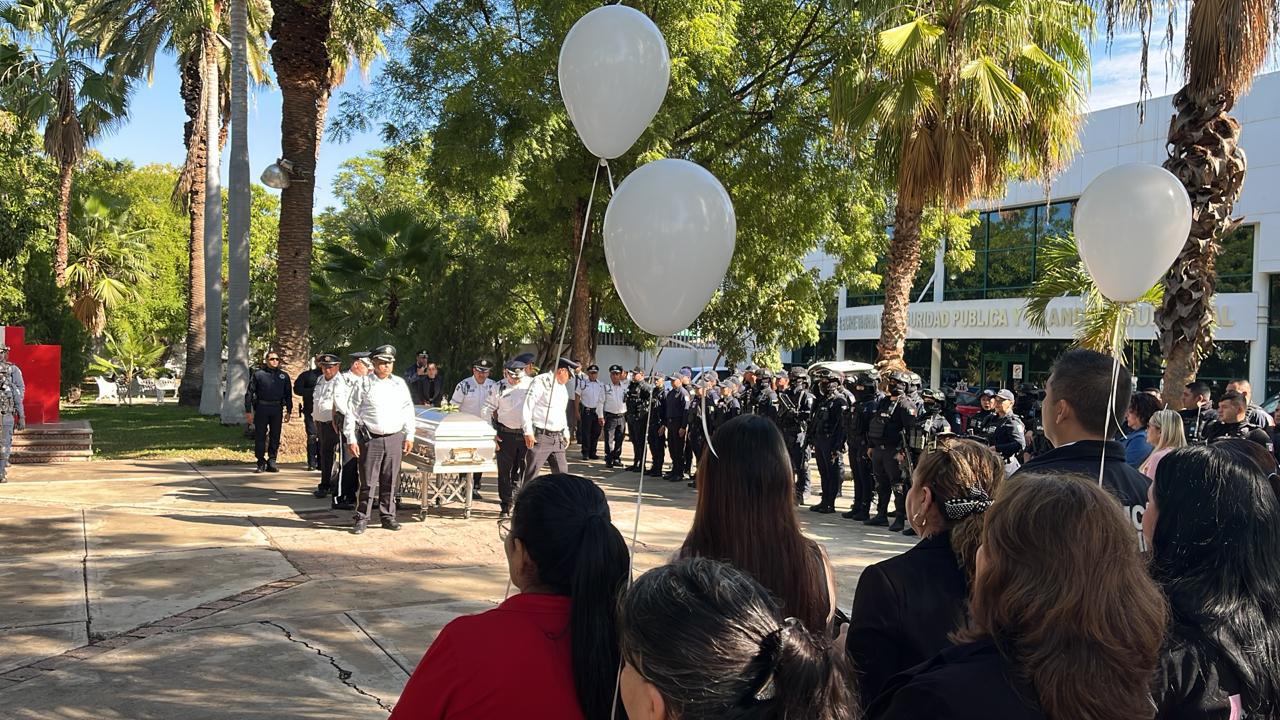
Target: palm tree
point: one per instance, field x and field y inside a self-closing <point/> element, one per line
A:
<point x="134" y="34"/>
<point x="1226" y="44"/>
<point x="314" y="42"/>
<point x="59" y="84"/>
<point x="1059" y="274"/>
<point x="108" y="262"/>
<point x="239" y="197"/>
<point x="128" y="356"/>
<point x="957" y="98"/>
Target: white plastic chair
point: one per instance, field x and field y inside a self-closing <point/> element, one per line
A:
<point x="107" y="390"/>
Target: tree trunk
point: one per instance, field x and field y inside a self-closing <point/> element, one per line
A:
<point x="68" y="171"/>
<point x="1205" y="154"/>
<point x="239" y="198"/>
<point x="301" y="30"/>
<point x="191" y="188"/>
<point x="904" y="261"/>
<point x="580" y="305"/>
<point x="211" y="394"/>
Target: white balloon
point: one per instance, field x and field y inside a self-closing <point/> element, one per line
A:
<point x="669" y="234"/>
<point x="614" y="71"/>
<point x="1130" y="224"/>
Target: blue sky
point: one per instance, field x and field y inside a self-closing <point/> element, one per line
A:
<point x="154" y="132"/>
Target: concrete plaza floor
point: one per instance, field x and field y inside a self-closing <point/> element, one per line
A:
<point x="160" y="589"/>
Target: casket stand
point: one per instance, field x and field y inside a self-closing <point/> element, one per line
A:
<point x="447" y="448"/>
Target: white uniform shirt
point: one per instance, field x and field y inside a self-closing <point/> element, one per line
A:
<point x="545" y="404"/>
<point x="344" y="384"/>
<point x="470" y="395"/>
<point x="507" y="401"/>
<point x="383" y="406"/>
<point x="324" y="401"/>
<point x="613" y="399"/>
<point x="590" y="393"/>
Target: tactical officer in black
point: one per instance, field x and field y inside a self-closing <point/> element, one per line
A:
<point x="657" y="420"/>
<point x="866" y="396"/>
<point x="765" y="401"/>
<point x="1199" y="412"/>
<point x="886" y="432"/>
<point x="1233" y="422"/>
<point x="267" y="402"/>
<point x="304" y="386"/>
<point x="828" y="440"/>
<point x="637" y="398"/>
<point x="795" y="407"/>
<point x="728" y="406"/>
<point x="701" y="422"/>
<point x="983" y="422"/>
<point x="747" y="392"/>
<point x="1008" y="434"/>
<point x="675" y="417"/>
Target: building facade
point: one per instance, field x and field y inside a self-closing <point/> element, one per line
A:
<point x="971" y="327"/>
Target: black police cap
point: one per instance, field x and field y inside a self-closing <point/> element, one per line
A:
<point x="593" y="368"/>
<point x="383" y="352"/>
<point x="615" y="368"/>
<point x="567" y="364"/>
<point x="482" y="364"/>
<point x="326" y="359"/>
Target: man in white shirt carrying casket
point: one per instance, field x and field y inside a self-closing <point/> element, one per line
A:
<point x="505" y="409"/>
<point x="546" y="427"/>
<point x="379" y="431"/>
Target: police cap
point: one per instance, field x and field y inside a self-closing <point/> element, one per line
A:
<point x="637" y="369"/>
<point x="615" y="368"/>
<point x="482" y="365"/>
<point x="1005" y="395"/>
<point x="423" y="354"/>
<point x="525" y="358"/>
<point x="384" y="352"/>
<point x="593" y="368"/>
<point x="989" y="393"/>
<point x="567" y="364"/>
<point x="326" y="359"/>
<point x="514" y="366"/>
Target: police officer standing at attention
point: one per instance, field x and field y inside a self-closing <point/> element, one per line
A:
<point x="546" y="421"/>
<point x="268" y="396"/>
<point x="1008" y="434"/>
<point x="637" y="398"/>
<point x="765" y="401"/>
<point x="657" y="426"/>
<point x="982" y="423"/>
<point x="590" y="396"/>
<point x="613" y="412"/>
<point x="828" y="437"/>
<point x="470" y="395"/>
<point x="795" y="408"/>
<point x="675" y="415"/>
<point x="323" y="409"/>
<point x="303" y="386"/>
<point x="379" y="432"/>
<point x="349" y="474"/>
<point x="747" y="391"/>
<point x="894" y="414"/>
<point x="865" y="398"/>
<point x="1233" y="422"/>
<point x="506" y="408"/>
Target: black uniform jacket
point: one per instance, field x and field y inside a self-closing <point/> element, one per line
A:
<point x="1118" y="477"/>
<point x="966" y="682"/>
<point x="903" y="610"/>
<point x="268" y="386"/>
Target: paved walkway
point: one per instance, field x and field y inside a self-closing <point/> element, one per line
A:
<point x="158" y="589"/>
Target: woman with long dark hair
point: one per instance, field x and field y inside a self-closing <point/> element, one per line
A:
<point x="704" y="641"/>
<point x="746" y="516"/>
<point x="550" y="651"/>
<point x="906" y="607"/>
<point x="1065" y="623"/>
<point x="1213" y="522"/>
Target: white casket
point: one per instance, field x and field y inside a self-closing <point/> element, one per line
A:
<point x="448" y="447"/>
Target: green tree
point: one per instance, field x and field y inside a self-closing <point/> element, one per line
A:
<point x="108" y="261"/>
<point x="129" y="356"/>
<point x="959" y="96"/>
<point x="57" y="81"/>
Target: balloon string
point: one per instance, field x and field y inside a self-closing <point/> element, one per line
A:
<point x="609" y="170"/>
<point x="1116" y="345"/>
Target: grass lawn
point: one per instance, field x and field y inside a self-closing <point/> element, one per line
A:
<point x="147" y="430"/>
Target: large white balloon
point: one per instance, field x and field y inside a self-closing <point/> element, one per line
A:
<point x="669" y="234"/>
<point x="1130" y="224"/>
<point x="614" y="71"/>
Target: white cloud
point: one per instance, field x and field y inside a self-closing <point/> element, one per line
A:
<point x="1117" y="69"/>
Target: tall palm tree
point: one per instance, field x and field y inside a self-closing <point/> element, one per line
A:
<point x="134" y="34"/>
<point x="239" y="197"/>
<point x="958" y="97"/>
<point x="56" y="81"/>
<point x="1227" y="43"/>
<point x="315" y="40"/>
<point x="108" y="262"/>
<point x="211" y="386"/>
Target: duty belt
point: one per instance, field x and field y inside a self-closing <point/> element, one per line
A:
<point x="544" y="431"/>
<point x="268" y="402"/>
<point x="510" y="430"/>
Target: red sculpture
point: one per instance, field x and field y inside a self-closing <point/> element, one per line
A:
<point x="41" y="367"/>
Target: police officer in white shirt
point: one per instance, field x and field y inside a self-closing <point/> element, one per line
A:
<point x="349" y="474"/>
<point x="470" y="396"/>
<point x="546" y="425"/>
<point x="505" y="409"/>
<point x="590" y="394"/>
<point x="613" y="414"/>
<point x="324" y="408"/>
<point x="379" y="431"/>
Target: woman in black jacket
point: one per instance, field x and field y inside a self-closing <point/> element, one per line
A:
<point x="1065" y="623"/>
<point x="905" y="607"/>
<point x="1213" y="523"/>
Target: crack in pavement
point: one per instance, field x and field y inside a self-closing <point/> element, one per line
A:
<point x="344" y="675"/>
<point x="84" y="573"/>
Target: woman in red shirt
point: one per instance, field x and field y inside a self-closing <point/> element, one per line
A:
<point x="550" y="651"/>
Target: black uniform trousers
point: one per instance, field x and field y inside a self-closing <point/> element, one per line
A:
<point x="266" y="431"/>
<point x="613" y="425"/>
<point x="657" y="447"/>
<point x="830" y="466"/>
<point x="326" y="449"/>
<point x="864" y="480"/>
<point x="636" y="434"/>
<point x="380" y="459"/>
<point x="348" y="472"/>
<point x="511" y="457"/>
<point x="313" y="440"/>
<point x="799" y="453"/>
<point x="589" y="432"/>
<point x="548" y="447"/>
<point x="888" y="472"/>
<point x="675" y="447"/>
